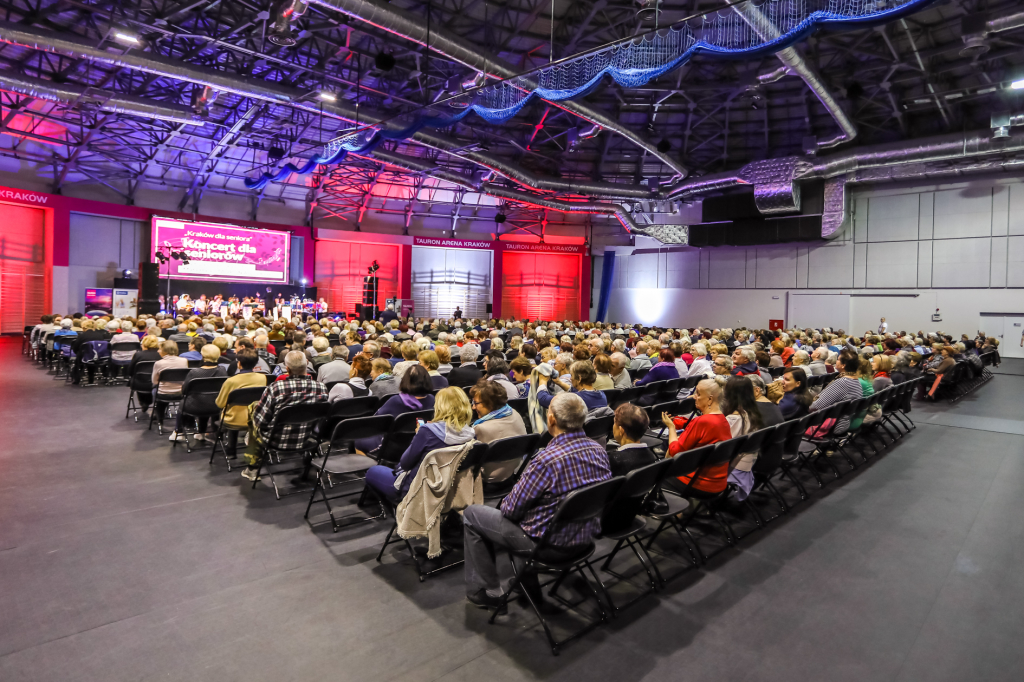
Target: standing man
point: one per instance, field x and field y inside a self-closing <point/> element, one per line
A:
<point x="458" y="313"/>
<point x="882" y="327"/>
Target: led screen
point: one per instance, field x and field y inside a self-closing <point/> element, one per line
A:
<point x="222" y="253"/>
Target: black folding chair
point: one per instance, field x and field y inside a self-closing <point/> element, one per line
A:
<point x="167" y="400"/>
<point x="628" y="395"/>
<point x="582" y="504"/>
<point x="182" y="346"/>
<point x="506" y="450"/>
<point x="361" y="406"/>
<point x="622" y="523"/>
<point x="334" y="461"/>
<point x="398" y="438"/>
<point x="118" y="366"/>
<point x="296" y="416"/>
<point x="470" y="461"/>
<point x="141" y="381"/>
<point x="240" y="397"/>
<point x="192" y="398"/>
<point x="599" y="428"/>
<point x="520" y="406"/>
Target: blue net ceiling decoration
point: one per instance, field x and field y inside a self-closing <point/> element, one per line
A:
<point x="745" y="31"/>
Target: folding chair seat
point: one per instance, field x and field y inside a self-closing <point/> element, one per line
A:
<point x="578" y="506"/>
<point x="470" y="461"/>
<point x="335" y="462"/>
<point x="167" y="400"/>
<point x="294" y="415"/>
<point x="504" y="451"/>
<point x="240" y="397"/>
<point x="622" y="522"/>
<point x="140" y="381"/>
<point x="855" y="433"/>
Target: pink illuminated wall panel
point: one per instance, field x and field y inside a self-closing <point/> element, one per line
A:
<point x="544" y="286"/>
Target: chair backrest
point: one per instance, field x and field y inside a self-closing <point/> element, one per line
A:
<point x="640" y="373"/>
<point x="690" y="461"/>
<point x="297" y="415"/>
<point x="193" y="364"/>
<point x="175" y="374"/>
<point x="599" y="427"/>
<point x="354" y="407"/>
<point x="182" y="347"/>
<point x="776" y="372"/>
<point x="142" y="375"/>
<point x="639" y="482"/>
<point x="245" y="396"/>
<point x="627" y="395"/>
<point x="585" y="503"/>
<point x="124" y="346"/>
<point x="654" y="412"/>
<point x="690" y="383"/>
<point x="205" y="385"/>
<point x="474" y="458"/>
<point x="94" y="351"/>
<point x="355" y="428"/>
<point x="771" y="451"/>
<point x="406" y="422"/>
<point x="520" y="406"/>
<point x="513" y="447"/>
<point x="613" y="396"/>
<point x="755" y="439"/>
<point x="799" y="428"/>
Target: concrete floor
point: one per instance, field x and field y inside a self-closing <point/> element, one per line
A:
<point x="121" y="559"/>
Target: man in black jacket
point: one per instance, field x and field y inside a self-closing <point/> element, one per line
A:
<point x="467" y="373"/>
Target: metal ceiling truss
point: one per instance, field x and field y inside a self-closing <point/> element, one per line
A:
<point x="901" y="81"/>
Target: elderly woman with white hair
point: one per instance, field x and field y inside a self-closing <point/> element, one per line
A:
<point x="700" y="366"/>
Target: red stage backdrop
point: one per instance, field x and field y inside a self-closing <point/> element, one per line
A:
<point x="541" y="282"/>
<point x="22" y="267"/>
<point x="221" y="252"/>
<point x="341" y="266"/>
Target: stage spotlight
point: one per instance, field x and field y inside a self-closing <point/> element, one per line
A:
<point x="275" y="154"/>
<point x="384" y="61"/>
<point x="127" y="38"/>
<point x="664" y="146"/>
<point x="303" y="282"/>
<point x="126" y="274"/>
<point x="282" y="16"/>
<point x="499" y="218"/>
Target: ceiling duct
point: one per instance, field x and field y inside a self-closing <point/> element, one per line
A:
<point x="797" y="65"/>
<point x="104" y="100"/>
<point x="393" y="20"/>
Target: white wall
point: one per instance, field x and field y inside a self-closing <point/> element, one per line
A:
<point x="100" y="248"/>
<point x="956" y="247"/>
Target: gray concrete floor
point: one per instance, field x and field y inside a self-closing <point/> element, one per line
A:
<point x="121" y="559"/>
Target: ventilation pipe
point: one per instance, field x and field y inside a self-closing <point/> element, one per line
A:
<point x="106" y="101"/>
<point x="398" y="22"/>
<point x="797" y="65"/>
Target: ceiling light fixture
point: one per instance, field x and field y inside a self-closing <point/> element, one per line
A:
<point x="328" y="96"/>
<point x="127" y="38"/>
<point x="1017" y="85"/>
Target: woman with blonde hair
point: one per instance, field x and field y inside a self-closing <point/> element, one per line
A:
<point x="450" y="426"/>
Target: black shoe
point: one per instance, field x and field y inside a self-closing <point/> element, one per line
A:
<point x="481" y="599"/>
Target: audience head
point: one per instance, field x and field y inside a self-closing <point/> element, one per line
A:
<point x="247" y="359"/>
<point x="583" y="375"/>
<point x="321" y="344"/>
<point x="496" y="365"/>
<point x="849" y="360"/>
<point x="521" y="368"/>
<point x="567" y="412"/>
<point x="295" y="363"/>
<point x="723" y="365"/>
<point x="211" y="354"/>
<point x="451" y="406"/>
<point x="882" y="363"/>
<point x="707" y="396"/>
<point x="167" y="348"/>
<point x="488" y="396"/>
<point x="416" y="382"/>
<point x="738" y="398"/>
<point x="429" y="360"/>
<point x="631" y="423"/>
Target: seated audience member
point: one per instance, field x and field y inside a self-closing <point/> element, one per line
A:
<point x="620" y="377"/>
<point x="450" y="426"/>
<point x="777" y="346"/>
<point x="881" y="367"/>
<point x="195" y="346"/>
<point x="521" y="370"/>
<point x="630" y="426"/>
<point x="409" y="351"/>
<point x="700" y="366"/>
<point x="817" y="365"/>
<point x="906" y="366"/>
<point x="429" y="361"/>
<point x="91" y="331"/>
<point x="199" y="403"/>
<point x="944" y="364"/>
<point x="298" y="389"/>
<point x="846" y="387"/>
<point x="181" y="335"/>
<point x="118" y="336"/>
<point x="150" y="353"/>
<point x="708" y="428"/>
<point x="603" y="367"/>
<point x="640" y="359"/>
<point x="722" y="365"/>
<point x="444" y="359"/>
<point x="385" y="383"/>
<point x="495" y="420"/>
<point x="337" y="368"/>
<point x="791" y="393"/>
<point x="582" y="377"/>
<point x="466" y="374"/>
<point x="415" y="393"/>
<point x="355" y="385"/>
<point x="168" y="360"/>
<point x="322" y="348"/>
<point x="744" y="361"/>
<point x="664" y="370"/>
<point x="570" y="461"/>
<point x="245" y="377"/>
<point x="770" y="412"/>
<point x="744" y="417"/>
<point x="496" y="370"/>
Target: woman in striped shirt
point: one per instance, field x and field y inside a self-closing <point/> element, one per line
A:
<point x="846" y="387"/>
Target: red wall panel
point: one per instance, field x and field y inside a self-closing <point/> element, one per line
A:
<point x="540" y="286"/>
<point x="22" y="267"/>
<point x="341" y="266"/>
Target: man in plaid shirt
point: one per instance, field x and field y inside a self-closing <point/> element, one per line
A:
<point x="297" y="389"/>
<point x="570" y="461"/>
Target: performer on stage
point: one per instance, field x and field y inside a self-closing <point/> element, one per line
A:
<point x="201" y="305"/>
<point x="185" y="304"/>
